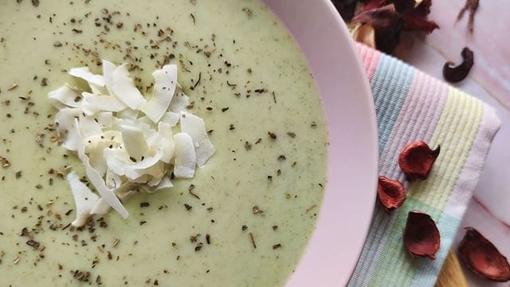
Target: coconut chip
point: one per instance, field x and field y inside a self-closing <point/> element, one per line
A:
<point x="179" y="102"/>
<point x="185" y="156"/>
<point x="65" y="96"/>
<point x="85" y="74"/>
<point x="94" y="103"/>
<point x="171" y="118"/>
<point x="165" y="82"/>
<point x="195" y="127"/>
<point x="124" y="88"/>
<point x="84" y="199"/>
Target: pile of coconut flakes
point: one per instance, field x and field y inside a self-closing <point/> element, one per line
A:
<point x="124" y="140"/>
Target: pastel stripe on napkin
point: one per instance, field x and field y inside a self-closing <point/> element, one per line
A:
<point x="411" y="105"/>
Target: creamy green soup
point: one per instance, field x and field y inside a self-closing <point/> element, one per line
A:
<point x="244" y="219"/>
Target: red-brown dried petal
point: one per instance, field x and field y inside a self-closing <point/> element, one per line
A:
<point x="482" y="257"/>
<point x="456" y="73"/>
<point x="416" y="160"/>
<point x="372" y="4"/>
<point x="415" y="16"/>
<point x="387" y="24"/>
<point x="423" y="8"/>
<point x="391" y="193"/>
<point x="421" y="236"/>
<point x="346" y="8"/>
<point x="417" y="23"/>
<point x="404" y="5"/>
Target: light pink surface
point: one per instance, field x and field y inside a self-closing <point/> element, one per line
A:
<point x="352" y="168"/>
<point x="489" y="41"/>
<point x="489" y="211"/>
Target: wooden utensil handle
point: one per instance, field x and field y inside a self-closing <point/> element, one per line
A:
<point x="451" y="274"/>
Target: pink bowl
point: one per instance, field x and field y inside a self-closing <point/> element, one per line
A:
<point x="349" y="199"/>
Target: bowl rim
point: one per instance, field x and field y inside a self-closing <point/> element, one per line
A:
<point x="311" y="23"/>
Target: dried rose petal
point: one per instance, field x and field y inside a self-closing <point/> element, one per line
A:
<point x="423" y="8"/>
<point x="482" y="257"/>
<point x="372" y="4"/>
<point x="455" y="74"/>
<point x="387" y="24"/>
<point x="414" y="23"/>
<point x="421" y="236"/>
<point x="404" y="5"/>
<point x="415" y="18"/>
<point x="346" y="8"/>
<point x="391" y="193"/>
<point x="364" y="33"/>
<point x="416" y="160"/>
<point x="386" y="19"/>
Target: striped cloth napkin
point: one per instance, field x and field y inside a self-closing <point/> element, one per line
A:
<point x="411" y="105"/>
